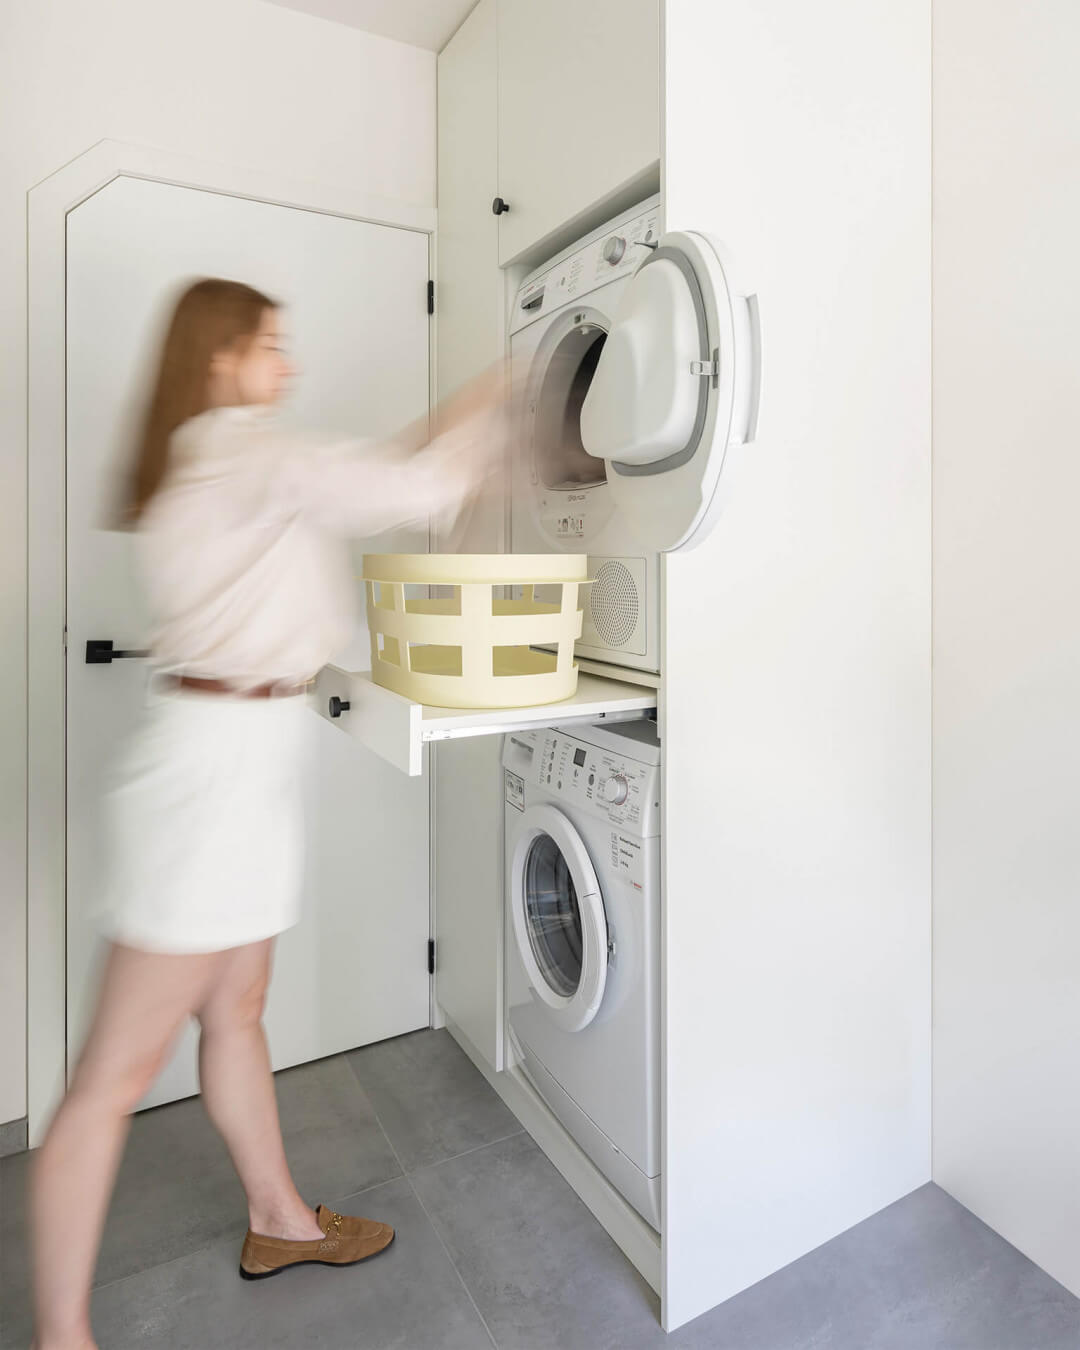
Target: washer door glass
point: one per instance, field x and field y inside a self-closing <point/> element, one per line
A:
<point x="558" y="917"/>
<point x="562" y="462"/>
<point x="553" y="915"/>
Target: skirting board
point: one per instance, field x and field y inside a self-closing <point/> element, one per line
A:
<point x="639" y="1243"/>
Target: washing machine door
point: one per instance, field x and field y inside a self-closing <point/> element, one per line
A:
<point x="676" y="386"/>
<point x="558" y="919"/>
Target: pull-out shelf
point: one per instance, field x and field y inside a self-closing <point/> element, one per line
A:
<point x="397" y="729"/>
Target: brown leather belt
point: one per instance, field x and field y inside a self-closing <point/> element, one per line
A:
<point x="272" y="690"/>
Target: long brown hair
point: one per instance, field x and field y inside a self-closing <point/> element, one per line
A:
<point x="209" y="316"/>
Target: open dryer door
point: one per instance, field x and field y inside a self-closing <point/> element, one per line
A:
<point x="677" y="383"/>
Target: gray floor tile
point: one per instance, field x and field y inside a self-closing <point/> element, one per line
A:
<point x="430" y="1098"/>
<point x="12" y="1137"/>
<point x="13" y="1261"/>
<point x="407" y="1298"/>
<point x="923" y="1274"/>
<point x="177" y="1190"/>
<point x="543" y="1272"/>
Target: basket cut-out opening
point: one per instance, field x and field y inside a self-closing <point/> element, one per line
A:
<point x="432" y="599"/>
<point x="542" y="598"/>
<point x="433" y="658"/>
<point x="389" y="649"/>
<point x="523" y="661"/>
<point x="381" y="594"/>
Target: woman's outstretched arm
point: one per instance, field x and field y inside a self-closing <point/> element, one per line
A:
<point x="429" y="469"/>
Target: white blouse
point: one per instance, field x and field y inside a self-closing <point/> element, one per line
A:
<point x="242" y="549"/>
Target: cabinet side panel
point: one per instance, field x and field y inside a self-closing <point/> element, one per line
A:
<point x="466" y="774"/>
<point x="797" y="661"/>
<point x="1006" y="640"/>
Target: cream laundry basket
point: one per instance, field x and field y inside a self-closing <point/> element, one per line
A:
<point x="459" y="630"/>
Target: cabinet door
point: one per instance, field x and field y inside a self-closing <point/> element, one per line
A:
<point x="468" y="812"/>
<point x="579" y="115"/>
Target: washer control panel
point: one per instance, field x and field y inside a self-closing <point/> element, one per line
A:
<point x="611" y="252"/>
<point x="604" y="782"/>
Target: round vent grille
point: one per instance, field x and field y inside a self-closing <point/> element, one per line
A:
<point x="614" y="604"/>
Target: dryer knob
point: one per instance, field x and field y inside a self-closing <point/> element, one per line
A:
<point x="614" y="248"/>
<point x="615" y="789"/>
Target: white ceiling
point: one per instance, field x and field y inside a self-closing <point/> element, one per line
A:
<point x="422" y="23"/>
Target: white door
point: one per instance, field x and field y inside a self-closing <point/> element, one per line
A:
<point x="355" y="969"/>
<point x="677" y="385"/>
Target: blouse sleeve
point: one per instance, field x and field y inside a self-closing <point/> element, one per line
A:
<point x="363" y="488"/>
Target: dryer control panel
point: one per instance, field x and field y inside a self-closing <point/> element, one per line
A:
<point x="612" y="251"/>
<point x="598" y="780"/>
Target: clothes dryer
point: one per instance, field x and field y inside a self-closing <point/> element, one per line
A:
<point x="636" y="369"/>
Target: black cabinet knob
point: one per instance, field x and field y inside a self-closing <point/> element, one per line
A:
<point x="498" y="206"/>
<point x="338" y="705"/>
<point x="101" y="652"/>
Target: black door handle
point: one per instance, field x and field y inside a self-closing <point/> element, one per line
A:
<point x="498" y="206"/>
<point x="100" y="652"/>
<point x="338" y="705"/>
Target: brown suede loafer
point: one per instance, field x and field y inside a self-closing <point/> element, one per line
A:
<point x="347" y="1241"/>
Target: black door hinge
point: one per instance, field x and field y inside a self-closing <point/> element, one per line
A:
<point x="431" y="297"/>
<point x="431" y="956"/>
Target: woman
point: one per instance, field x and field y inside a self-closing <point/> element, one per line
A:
<point x="240" y="532"/>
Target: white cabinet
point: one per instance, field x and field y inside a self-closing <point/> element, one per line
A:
<point x="795" y="698"/>
<point x="579" y="114"/>
<point x="467" y="775"/>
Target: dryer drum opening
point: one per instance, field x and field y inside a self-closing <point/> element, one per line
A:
<point x="561" y="460"/>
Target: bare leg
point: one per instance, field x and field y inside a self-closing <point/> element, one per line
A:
<point x="144" y="1000"/>
<point x="238" y="1092"/>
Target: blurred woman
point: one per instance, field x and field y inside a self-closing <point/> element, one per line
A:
<point x="240" y="533"/>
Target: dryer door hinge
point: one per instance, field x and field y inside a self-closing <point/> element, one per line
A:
<point x="431" y="956"/>
<point x="431" y="297"/>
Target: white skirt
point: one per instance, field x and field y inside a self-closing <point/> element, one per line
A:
<point x="204" y="824"/>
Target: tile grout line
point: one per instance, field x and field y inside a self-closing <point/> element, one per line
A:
<point x="465" y="1152"/>
<point x="424" y="1210"/>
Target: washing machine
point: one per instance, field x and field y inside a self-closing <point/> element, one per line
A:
<point x="636" y="372"/>
<point x="582" y="819"/>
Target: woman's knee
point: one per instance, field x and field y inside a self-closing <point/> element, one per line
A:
<point x="117" y="1083"/>
<point x="235" y="1008"/>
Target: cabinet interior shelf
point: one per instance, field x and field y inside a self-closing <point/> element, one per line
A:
<point x="398" y="728"/>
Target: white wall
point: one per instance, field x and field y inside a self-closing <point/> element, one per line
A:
<point x="1007" y="620"/>
<point x="235" y="81"/>
<point x="797" y="662"/>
